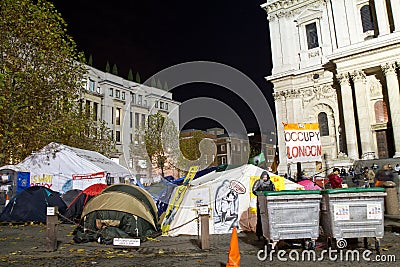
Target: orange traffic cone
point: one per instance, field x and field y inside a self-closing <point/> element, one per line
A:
<point x="7" y="200"/>
<point x="234" y="254"/>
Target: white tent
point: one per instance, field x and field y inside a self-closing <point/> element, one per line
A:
<point x="228" y="196"/>
<point x="61" y="168"/>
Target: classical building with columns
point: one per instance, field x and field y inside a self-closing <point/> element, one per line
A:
<point x="336" y="62"/>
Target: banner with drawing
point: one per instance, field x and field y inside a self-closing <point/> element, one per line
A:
<point x="226" y="210"/>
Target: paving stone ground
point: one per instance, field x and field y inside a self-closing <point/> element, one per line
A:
<point x="24" y="245"/>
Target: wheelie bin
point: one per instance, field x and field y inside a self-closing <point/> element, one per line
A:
<point x="353" y="213"/>
<point x="290" y="215"/>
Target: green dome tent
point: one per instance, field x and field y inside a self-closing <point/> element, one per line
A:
<point x="120" y="211"/>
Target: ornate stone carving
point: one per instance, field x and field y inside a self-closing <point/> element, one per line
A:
<point x="279" y="96"/>
<point x="319" y="92"/>
<point x="389" y="68"/>
<point x="293" y="93"/>
<point x="271" y="17"/>
<point x="289" y="8"/>
<point x="343" y="79"/>
<point x="358" y="76"/>
<point x="374" y="85"/>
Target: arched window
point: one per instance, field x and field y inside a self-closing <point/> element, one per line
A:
<point x="323" y="124"/>
<point x="381" y="114"/>
<point x="366" y="18"/>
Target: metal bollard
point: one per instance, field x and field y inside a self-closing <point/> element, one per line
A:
<point x="391" y="199"/>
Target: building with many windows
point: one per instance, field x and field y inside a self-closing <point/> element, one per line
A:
<point x="232" y="149"/>
<point x="336" y="63"/>
<point x="124" y="105"/>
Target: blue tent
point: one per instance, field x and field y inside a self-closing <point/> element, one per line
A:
<point x="162" y="191"/>
<point x="30" y="205"/>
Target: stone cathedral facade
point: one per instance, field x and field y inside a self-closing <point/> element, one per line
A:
<point x="336" y="62"/>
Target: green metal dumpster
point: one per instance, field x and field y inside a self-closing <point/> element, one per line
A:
<point x="353" y="213"/>
<point x="290" y="214"/>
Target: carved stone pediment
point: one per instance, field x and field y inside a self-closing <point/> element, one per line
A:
<point x="308" y="15"/>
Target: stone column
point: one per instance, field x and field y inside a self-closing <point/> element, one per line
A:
<point x="382" y="16"/>
<point x="348" y="115"/>
<point x="362" y="111"/>
<point x="392" y="82"/>
<point x="289" y="106"/>
<point x="298" y="112"/>
<point x="280" y="105"/>
<point x="395" y="5"/>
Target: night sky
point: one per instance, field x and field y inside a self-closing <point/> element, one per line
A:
<point x="149" y="36"/>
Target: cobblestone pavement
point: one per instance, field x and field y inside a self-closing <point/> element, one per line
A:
<point x="24" y="245"/>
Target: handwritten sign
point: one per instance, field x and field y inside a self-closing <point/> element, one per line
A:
<point x="303" y="142"/>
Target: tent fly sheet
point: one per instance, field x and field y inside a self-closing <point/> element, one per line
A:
<point x="228" y="196"/>
<point x="121" y="210"/>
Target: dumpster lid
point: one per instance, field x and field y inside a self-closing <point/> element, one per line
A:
<point x="289" y="192"/>
<point x="352" y="190"/>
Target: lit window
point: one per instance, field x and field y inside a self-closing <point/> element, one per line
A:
<point x="118" y="116"/>
<point x="139" y="100"/>
<point x="381" y="114"/>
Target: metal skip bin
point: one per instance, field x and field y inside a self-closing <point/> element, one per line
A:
<point x="290" y="214"/>
<point x="353" y="213"/>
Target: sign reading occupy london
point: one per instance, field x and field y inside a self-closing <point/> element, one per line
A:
<point x="303" y="142"/>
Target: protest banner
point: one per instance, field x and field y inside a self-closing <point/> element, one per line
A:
<point x="303" y="142"/>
